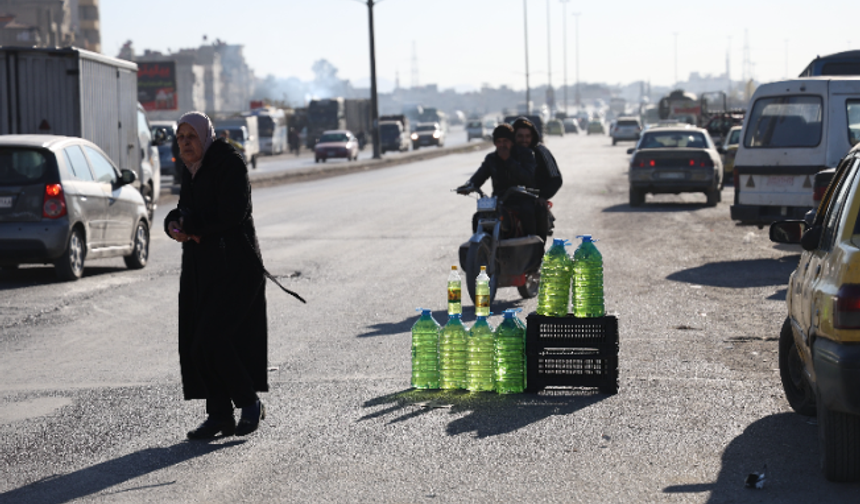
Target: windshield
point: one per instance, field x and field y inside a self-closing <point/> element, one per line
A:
<point x="734" y="137"/>
<point x="235" y="134"/>
<point x="474" y="124"/>
<point x="785" y="121"/>
<point x="673" y="139"/>
<point x="265" y="126"/>
<point x="21" y="166"/>
<point x="389" y="130"/>
<point x="334" y="137"/>
<point x="426" y="127"/>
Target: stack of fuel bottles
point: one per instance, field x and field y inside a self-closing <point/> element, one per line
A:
<point x="570" y="341"/>
<point x="480" y="359"/>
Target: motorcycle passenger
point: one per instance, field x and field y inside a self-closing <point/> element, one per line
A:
<point x="547" y="175"/>
<point x="509" y="166"/>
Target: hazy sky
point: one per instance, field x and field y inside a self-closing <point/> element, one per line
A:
<point x="464" y="43"/>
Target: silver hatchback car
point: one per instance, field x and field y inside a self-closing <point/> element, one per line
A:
<point x="63" y="201"/>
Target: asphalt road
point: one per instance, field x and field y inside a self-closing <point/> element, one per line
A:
<point x="90" y="398"/>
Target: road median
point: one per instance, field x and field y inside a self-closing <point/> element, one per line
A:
<point x="323" y="170"/>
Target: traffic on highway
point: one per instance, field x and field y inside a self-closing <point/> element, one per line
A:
<point x="218" y="293"/>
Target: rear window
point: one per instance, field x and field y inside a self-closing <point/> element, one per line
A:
<point x="673" y="139"/>
<point x="785" y="121"/>
<point x="628" y="123"/>
<point x="22" y="166"/>
<point x="734" y="137"/>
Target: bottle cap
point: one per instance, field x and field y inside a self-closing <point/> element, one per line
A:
<point x="454" y="268"/>
<point x="424" y="311"/>
<point x="483" y="268"/>
<point x="586" y="238"/>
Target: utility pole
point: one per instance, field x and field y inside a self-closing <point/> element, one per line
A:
<point x="576" y="34"/>
<point x="564" y="33"/>
<point x="676" y="59"/>
<point x="526" y="32"/>
<point x="374" y="106"/>
<point x="550" y="96"/>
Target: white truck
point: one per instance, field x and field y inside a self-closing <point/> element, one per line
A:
<point x="793" y="130"/>
<point x="73" y="92"/>
<point x="244" y="130"/>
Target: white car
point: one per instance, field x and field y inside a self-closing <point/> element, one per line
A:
<point x="626" y="128"/>
<point x="476" y="128"/>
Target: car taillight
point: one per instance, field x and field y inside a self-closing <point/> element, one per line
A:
<point x="643" y="163"/>
<point x="54" y="202"/>
<point x="818" y="193"/>
<point x="846" y="307"/>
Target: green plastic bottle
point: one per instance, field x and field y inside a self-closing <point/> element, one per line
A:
<point x="454" y="291"/>
<point x="425" y="351"/>
<point x="510" y="356"/>
<point x="482" y="293"/>
<point x="452" y="354"/>
<point x="480" y="357"/>
<point x="555" y="273"/>
<point x="587" y="280"/>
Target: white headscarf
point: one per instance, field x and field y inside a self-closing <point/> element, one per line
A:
<point x="205" y="131"/>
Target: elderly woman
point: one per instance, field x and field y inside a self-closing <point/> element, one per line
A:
<point x="222" y="300"/>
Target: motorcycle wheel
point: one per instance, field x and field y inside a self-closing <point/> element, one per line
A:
<point x="480" y="255"/>
<point x="530" y="289"/>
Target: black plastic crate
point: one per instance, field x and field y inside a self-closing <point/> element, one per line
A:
<point x="571" y="352"/>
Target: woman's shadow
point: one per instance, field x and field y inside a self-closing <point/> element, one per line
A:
<point x="94" y="479"/>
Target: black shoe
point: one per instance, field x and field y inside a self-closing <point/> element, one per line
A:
<point x="212" y="426"/>
<point x="250" y="419"/>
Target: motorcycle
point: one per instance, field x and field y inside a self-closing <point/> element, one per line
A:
<point x="512" y="258"/>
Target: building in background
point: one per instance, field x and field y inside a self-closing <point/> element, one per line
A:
<point x="50" y="23"/>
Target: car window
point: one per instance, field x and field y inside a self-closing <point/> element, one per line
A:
<point x="735" y="137"/>
<point x="21" y="166"/>
<point x="834" y="211"/>
<point x="673" y="139"/>
<point x="785" y="121"/>
<point x="853" y="114"/>
<point x="77" y="162"/>
<point x="103" y="169"/>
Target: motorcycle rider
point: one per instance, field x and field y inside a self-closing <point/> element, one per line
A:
<point x="547" y="175"/>
<point x="509" y="165"/>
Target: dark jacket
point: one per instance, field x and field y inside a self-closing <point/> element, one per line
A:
<point x="221" y="288"/>
<point x="518" y="169"/>
<point x="547" y="175"/>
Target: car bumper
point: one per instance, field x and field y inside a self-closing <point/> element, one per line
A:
<point x="330" y="155"/>
<point x="426" y="141"/>
<point x="837" y="375"/>
<point x="623" y="136"/>
<point x="33" y="242"/>
<point x="673" y="187"/>
<point x="757" y="214"/>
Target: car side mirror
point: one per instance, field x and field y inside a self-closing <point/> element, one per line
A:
<point x="127" y="177"/>
<point x="631" y="150"/>
<point x="789" y="231"/>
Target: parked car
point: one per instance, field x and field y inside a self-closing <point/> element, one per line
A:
<point x="392" y="137"/>
<point x="729" y="150"/>
<point x="63" y="201"/>
<point x="675" y="160"/>
<point x="336" y="144"/>
<point x="595" y="128"/>
<point x="819" y="345"/>
<point x="477" y="128"/>
<point x="164" y="132"/>
<point x="428" y="133"/>
<point x="555" y="127"/>
<point x="571" y="125"/>
<point x="626" y="128"/>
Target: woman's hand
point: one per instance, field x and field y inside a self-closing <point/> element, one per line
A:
<point x="175" y="230"/>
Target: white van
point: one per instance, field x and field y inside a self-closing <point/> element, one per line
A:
<point x="245" y="131"/>
<point x="792" y="130"/>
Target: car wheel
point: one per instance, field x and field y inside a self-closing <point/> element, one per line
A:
<point x="140" y="253"/>
<point x="254" y="162"/>
<point x="70" y="265"/>
<point x="637" y="197"/>
<point x="800" y="395"/>
<point x="148" y="201"/>
<point x="530" y="289"/>
<point x="839" y="444"/>
<point x="614" y="141"/>
<point x="713" y="196"/>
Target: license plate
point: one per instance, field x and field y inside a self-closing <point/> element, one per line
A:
<point x="486" y="204"/>
<point x="5" y="201"/>
<point x="332" y="153"/>
<point x="672" y="175"/>
<point x="780" y="181"/>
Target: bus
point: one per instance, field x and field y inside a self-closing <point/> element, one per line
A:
<point x="272" y="128"/>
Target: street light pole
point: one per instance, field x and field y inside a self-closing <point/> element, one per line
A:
<point x="526" y="32"/>
<point x="676" y="59"/>
<point x="550" y="96"/>
<point x="564" y="34"/>
<point x="576" y="34"/>
<point x="374" y="104"/>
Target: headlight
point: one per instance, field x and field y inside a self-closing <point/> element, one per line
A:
<point x="436" y="134"/>
<point x="414" y="136"/>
